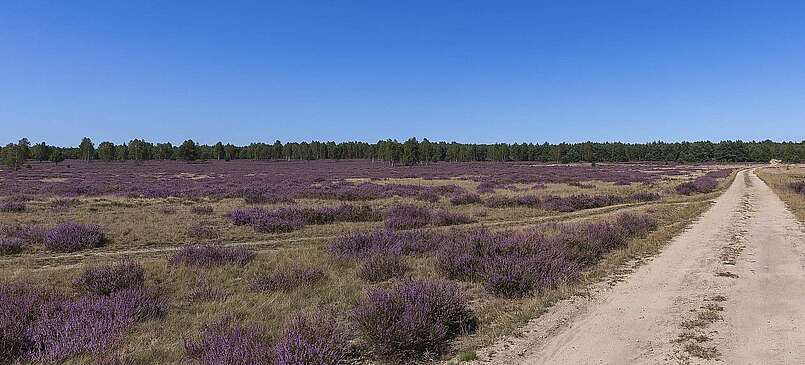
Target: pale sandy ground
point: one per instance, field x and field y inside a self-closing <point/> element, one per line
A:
<point x="637" y="321"/>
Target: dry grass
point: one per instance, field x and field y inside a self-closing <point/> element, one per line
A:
<point x="778" y="179"/>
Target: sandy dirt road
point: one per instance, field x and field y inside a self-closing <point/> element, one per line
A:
<point x="730" y="289"/>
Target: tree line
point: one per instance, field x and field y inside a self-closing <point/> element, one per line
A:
<point x="412" y="151"/>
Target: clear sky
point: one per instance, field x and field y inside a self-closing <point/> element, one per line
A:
<point x="470" y="71"/>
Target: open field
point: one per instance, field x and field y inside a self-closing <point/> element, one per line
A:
<point x="321" y="261"/>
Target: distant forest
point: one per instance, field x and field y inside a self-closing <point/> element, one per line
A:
<point x="413" y="151"/>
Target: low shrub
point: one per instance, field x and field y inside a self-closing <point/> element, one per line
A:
<point x="28" y="233"/>
<point x="203" y="230"/>
<point x="108" y="279"/>
<point x="447" y="218"/>
<point x="358" y="245"/>
<point x="11" y="245"/>
<point x="20" y="305"/>
<point x="90" y="324"/>
<point x="499" y="201"/>
<point x="70" y="237"/>
<point x="798" y="187"/>
<point x="12" y="206"/>
<point x="381" y="267"/>
<point x="704" y="184"/>
<point x="466" y="198"/>
<point x="313" y="338"/>
<point x="414" y="319"/>
<point x="406" y="217"/>
<point x="211" y="255"/>
<point x="228" y="343"/>
<point x="289" y="219"/>
<point x="201" y="209"/>
<point x="287" y="280"/>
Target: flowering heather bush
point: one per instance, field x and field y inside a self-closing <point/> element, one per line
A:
<point x="227" y="343"/>
<point x="381" y="267"/>
<point x="12" y="206"/>
<point x="313" y="338"/>
<point x="447" y="218"/>
<point x="643" y="197"/>
<point x="10" y="245"/>
<point x="486" y="187"/>
<point x="29" y="234"/>
<point x="588" y="243"/>
<point x="514" y="265"/>
<point x="567" y="204"/>
<point x="20" y="305"/>
<point x="201" y="209"/>
<point x="70" y="237"/>
<point x="414" y="319"/>
<point x="466" y="198"/>
<point x="704" y="184"/>
<point x="203" y="230"/>
<point x="254" y="196"/>
<point x="359" y="245"/>
<point x="406" y="217"/>
<point x="90" y="324"/>
<point x="290" y="219"/>
<point x="798" y="186"/>
<point x="288" y="280"/>
<point x="108" y="279"/>
<point x="210" y="255"/>
<point x="499" y="201"/>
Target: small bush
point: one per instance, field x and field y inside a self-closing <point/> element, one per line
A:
<point x="210" y="255"/>
<point x="108" y="279"/>
<point x="70" y="237"/>
<point x="414" y="319"/>
<point x="704" y="184"/>
<point x="381" y="267"/>
<point x="89" y="324"/>
<point x="227" y="343"/>
<point x="29" y="234"/>
<point x="12" y="207"/>
<point x="359" y="245"/>
<point x="288" y="280"/>
<point x="447" y="218"/>
<point x="499" y="201"/>
<point x="10" y="245"/>
<point x="313" y="338"/>
<point x="798" y="187"/>
<point x="201" y="209"/>
<point x="203" y="230"/>
<point x="466" y="198"/>
<point x="20" y="305"/>
<point x="407" y="217"/>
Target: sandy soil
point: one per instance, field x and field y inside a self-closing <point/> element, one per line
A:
<point x="734" y="281"/>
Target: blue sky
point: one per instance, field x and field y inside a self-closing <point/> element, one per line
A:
<point x="471" y="71"/>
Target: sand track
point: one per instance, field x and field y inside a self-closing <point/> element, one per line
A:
<point x="745" y="257"/>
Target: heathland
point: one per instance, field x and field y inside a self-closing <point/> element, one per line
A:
<point x="316" y="261"/>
